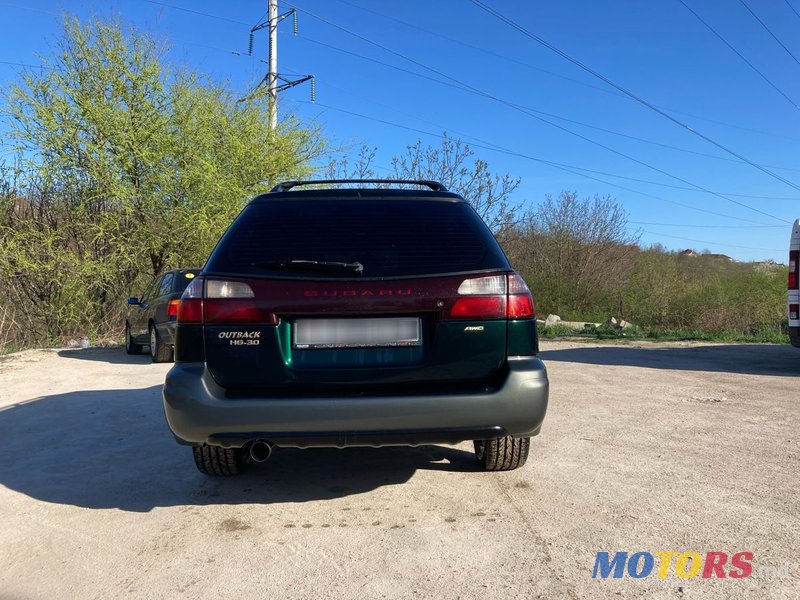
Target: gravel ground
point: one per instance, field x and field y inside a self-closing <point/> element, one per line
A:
<point x="646" y="447"/>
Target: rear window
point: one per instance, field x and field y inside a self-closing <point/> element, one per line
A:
<point x="391" y="238"/>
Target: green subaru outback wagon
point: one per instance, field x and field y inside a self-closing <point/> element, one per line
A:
<point x="355" y="316"/>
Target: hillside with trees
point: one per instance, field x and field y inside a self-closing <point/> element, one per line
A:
<point x="125" y="166"/>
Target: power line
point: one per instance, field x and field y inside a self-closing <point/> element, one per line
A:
<point x="486" y="143"/>
<point x="394" y="109"/>
<point x="539" y="112"/>
<point x="627" y="92"/>
<point x="560" y="166"/>
<point x="730" y="125"/>
<point x="532" y="67"/>
<point x="478" y="48"/>
<point x="577" y="82"/>
<point x="557" y="166"/>
<point x="783" y="198"/>
<point x="677" y="237"/>
<point x="717" y="122"/>
<point x="794" y="10"/>
<point x="183" y="42"/>
<point x="197" y="12"/>
<point x="521" y="106"/>
<point x="178" y="40"/>
<point x="651" y="142"/>
<point x="526" y="111"/>
<point x="18" y="64"/>
<point x="537" y="117"/>
<point x="706" y="226"/>
<point x="739" y="54"/>
<point x="39" y="10"/>
<point x="527" y="65"/>
<point x="769" y="31"/>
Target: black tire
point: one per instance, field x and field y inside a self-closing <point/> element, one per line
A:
<point x="158" y="352"/>
<point x="503" y="454"/>
<point x="219" y="462"/>
<point x="130" y="346"/>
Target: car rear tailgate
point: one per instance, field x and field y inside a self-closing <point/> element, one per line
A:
<point x="367" y="333"/>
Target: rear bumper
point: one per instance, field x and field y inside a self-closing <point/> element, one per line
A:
<point x="197" y="412"/>
<point x="794" y="336"/>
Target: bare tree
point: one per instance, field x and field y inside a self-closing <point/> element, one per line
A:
<point x="575" y="251"/>
<point x="359" y="166"/>
<point x="452" y="163"/>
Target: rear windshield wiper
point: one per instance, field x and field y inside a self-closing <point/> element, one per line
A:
<point x="310" y="265"/>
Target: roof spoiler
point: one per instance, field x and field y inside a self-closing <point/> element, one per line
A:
<point x="287" y="185"/>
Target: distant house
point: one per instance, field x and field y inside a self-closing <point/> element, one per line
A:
<point x="692" y="253"/>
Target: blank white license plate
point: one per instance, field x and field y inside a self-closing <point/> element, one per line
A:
<point x="312" y="334"/>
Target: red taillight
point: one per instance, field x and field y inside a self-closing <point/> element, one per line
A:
<point x="493" y="307"/>
<point x="215" y="302"/>
<point x="794" y="312"/>
<point x="190" y="311"/>
<point x="794" y="269"/>
<point x="172" y="308"/>
<point x="520" y="301"/>
<point x="492" y="297"/>
<point x="520" y="307"/>
<point x="190" y="308"/>
<point x="237" y="311"/>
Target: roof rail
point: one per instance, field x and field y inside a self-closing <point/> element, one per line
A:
<point x="287" y="185"/>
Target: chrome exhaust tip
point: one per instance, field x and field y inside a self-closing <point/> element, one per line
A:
<point x="260" y="451"/>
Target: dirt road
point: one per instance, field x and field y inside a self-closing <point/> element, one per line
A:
<point x="645" y="448"/>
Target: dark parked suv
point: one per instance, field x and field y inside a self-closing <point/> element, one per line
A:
<point x="151" y="318"/>
<point x="355" y="317"/>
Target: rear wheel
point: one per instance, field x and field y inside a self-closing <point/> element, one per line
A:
<point x="131" y="347"/>
<point x="220" y="462"/>
<point x="503" y="454"/>
<point x="159" y="351"/>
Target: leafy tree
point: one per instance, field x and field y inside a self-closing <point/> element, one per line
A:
<point x="128" y="167"/>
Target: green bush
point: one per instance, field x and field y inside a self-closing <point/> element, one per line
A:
<point x="670" y="296"/>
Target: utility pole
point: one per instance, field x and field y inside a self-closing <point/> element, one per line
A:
<point x="274" y="81"/>
<point x="272" y="76"/>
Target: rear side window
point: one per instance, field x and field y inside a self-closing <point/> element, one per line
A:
<point x="166" y="285"/>
<point x="390" y="238"/>
<point x="184" y="279"/>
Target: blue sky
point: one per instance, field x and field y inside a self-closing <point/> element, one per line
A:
<point x="657" y="50"/>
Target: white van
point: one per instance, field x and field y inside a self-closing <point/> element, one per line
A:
<point x="794" y="285"/>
